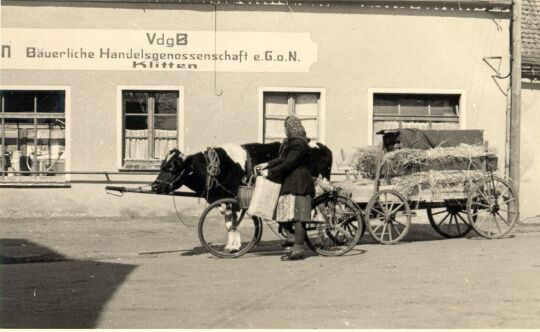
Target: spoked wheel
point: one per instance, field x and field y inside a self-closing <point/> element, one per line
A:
<point x="492" y="207"/>
<point x="337" y="224"/>
<point x="226" y="231"/>
<point x="388" y="216"/>
<point x="449" y="221"/>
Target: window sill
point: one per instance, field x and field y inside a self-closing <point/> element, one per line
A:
<point x="138" y="170"/>
<point x="19" y="184"/>
<point x="139" y="165"/>
<point x="33" y="181"/>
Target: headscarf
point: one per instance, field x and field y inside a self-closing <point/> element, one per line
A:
<point x="294" y="128"/>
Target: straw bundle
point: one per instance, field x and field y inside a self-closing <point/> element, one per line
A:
<point x="462" y="157"/>
<point x="364" y="161"/>
<point x="410" y="161"/>
<point x="438" y="183"/>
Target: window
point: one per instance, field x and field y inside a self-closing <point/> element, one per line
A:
<point x="278" y="105"/>
<point x="33" y="135"/>
<point x="150" y="120"/>
<point x="423" y="111"/>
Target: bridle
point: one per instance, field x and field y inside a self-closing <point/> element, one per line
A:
<point x="212" y="162"/>
<point x="172" y="154"/>
<point x="171" y="184"/>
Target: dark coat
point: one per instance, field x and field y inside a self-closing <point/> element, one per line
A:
<point x="291" y="168"/>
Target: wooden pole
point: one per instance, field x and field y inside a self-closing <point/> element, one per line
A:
<point x="515" y="111"/>
<point x="35" y="165"/>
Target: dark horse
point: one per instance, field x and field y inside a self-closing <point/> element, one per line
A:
<point x="218" y="172"/>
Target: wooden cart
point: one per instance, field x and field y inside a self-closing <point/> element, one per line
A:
<point x="489" y="206"/>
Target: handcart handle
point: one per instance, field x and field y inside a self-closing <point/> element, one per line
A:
<point x="114" y="188"/>
<point x="257" y="171"/>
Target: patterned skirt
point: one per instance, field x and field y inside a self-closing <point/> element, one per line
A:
<point x="293" y="208"/>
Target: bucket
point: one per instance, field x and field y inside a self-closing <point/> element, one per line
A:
<point x="244" y="196"/>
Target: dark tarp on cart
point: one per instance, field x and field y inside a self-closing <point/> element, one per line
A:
<point x="426" y="139"/>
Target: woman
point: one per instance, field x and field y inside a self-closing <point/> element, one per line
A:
<point x="297" y="189"/>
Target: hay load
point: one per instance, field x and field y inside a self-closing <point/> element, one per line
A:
<point x="364" y="161"/>
<point x="436" y="172"/>
<point x="463" y="157"/>
<point x="445" y="183"/>
<point x="403" y="162"/>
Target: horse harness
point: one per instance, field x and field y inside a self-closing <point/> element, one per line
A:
<point x="212" y="170"/>
<point x="171" y="184"/>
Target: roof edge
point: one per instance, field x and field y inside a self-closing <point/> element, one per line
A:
<point x="503" y="4"/>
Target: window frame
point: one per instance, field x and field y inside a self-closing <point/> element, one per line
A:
<point x="293" y="90"/>
<point x="120" y="119"/>
<point x="67" y="147"/>
<point x="372" y="91"/>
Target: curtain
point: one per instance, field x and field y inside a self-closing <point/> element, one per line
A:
<point x="136" y="144"/>
<point x="165" y="140"/>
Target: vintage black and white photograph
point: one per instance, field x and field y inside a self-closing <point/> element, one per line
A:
<point x="269" y="164"/>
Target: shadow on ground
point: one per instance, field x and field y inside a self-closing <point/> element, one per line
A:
<point x="41" y="288"/>
<point x="267" y="248"/>
<point x="417" y="233"/>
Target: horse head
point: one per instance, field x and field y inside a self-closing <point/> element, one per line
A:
<point x="171" y="174"/>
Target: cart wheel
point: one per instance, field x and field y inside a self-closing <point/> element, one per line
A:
<point x="388" y="216"/>
<point x="214" y="229"/>
<point x="325" y="203"/>
<point x="336" y="226"/>
<point x="449" y="221"/>
<point x="492" y="207"/>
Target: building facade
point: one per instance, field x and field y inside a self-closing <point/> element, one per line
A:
<point x="109" y="86"/>
<point x="530" y="106"/>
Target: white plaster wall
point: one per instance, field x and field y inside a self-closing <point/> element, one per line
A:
<point x="358" y="49"/>
<point x="530" y="151"/>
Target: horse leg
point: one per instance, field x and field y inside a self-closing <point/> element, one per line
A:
<point x="228" y="219"/>
<point x="237" y="242"/>
<point x="234" y="234"/>
<point x="234" y="241"/>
